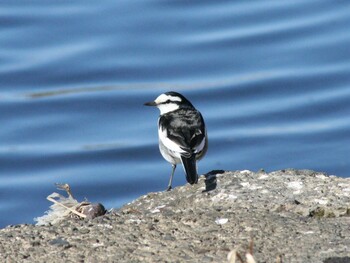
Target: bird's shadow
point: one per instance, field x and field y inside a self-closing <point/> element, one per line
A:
<point x="210" y="180"/>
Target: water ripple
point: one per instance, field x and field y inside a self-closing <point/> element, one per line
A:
<point x="270" y="78"/>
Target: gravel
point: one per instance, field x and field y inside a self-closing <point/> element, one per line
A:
<point x="293" y="215"/>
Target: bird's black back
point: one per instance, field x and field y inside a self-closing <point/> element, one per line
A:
<point x="185" y="127"/>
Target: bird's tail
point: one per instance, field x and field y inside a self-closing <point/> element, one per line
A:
<point x="190" y="167"/>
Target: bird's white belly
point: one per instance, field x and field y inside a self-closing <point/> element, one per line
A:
<point x="171" y="156"/>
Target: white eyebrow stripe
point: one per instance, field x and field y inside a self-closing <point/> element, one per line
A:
<point x="172" y="98"/>
<point x="163" y="98"/>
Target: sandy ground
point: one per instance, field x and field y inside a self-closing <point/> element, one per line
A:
<point x="296" y="216"/>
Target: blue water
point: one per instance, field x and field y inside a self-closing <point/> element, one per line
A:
<point x="271" y="78"/>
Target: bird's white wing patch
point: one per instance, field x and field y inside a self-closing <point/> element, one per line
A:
<point x="201" y="146"/>
<point x="171" y="145"/>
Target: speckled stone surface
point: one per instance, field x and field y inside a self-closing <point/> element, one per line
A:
<point x="301" y="216"/>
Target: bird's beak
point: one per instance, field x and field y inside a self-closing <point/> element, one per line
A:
<point x="151" y="103"/>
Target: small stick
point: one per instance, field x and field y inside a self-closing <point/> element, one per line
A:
<point x="70" y="209"/>
<point x="65" y="187"/>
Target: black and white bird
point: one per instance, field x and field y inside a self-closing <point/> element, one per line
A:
<point x="182" y="133"/>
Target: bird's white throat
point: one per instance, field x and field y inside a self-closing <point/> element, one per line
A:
<point x="165" y="108"/>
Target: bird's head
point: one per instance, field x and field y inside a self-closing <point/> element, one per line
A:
<point x="169" y="101"/>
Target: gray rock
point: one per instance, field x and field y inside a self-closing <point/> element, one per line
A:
<point x="302" y="216"/>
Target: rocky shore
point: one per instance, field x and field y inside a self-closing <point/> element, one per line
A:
<point x="291" y="216"/>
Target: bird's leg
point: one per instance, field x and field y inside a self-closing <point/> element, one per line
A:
<point x="171" y="177"/>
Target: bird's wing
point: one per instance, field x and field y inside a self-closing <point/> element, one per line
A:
<point x="174" y="142"/>
<point x="198" y="139"/>
<point x="201" y="140"/>
<point x="184" y="135"/>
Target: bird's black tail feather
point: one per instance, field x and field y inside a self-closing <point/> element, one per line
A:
<point x="190" y="167"/>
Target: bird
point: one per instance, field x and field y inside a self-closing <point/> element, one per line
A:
<point x="182" y="134"/>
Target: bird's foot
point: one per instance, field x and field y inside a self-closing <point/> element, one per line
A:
<point x="169" y="189"/>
